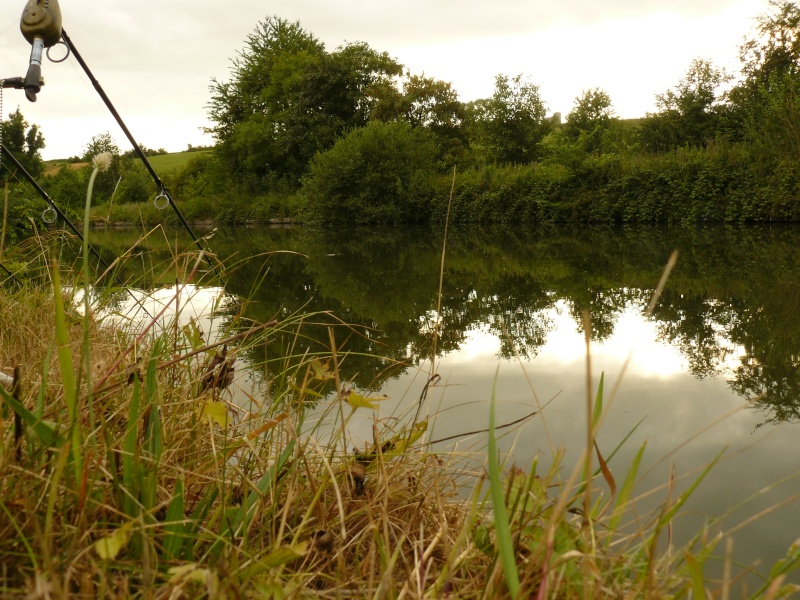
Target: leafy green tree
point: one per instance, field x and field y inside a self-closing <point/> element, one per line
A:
<point x="775" y="48"/>
<point x="289" y="99"/>
<point x="764" y="108"/>
<point x="376" y="174"/>
<point x="107" y="181"/>
<point x="100" y="143"/>
<point x="590" y="118"/>
<point x="687" y="114"/>
<point x="67" y="188"/>
<point x="434" y="105"/>
<point x="509" y="126"/>
<point x="24" y="141"/>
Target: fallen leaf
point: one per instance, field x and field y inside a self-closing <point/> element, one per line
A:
<point x="187" y="572"/>
<point x="321" y="370"/>
<point x="216" y="411"/>
<point x="108" y="547"/>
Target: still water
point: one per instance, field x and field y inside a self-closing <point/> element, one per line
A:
<point x="716" y="368"/>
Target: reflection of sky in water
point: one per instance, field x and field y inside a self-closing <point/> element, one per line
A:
<point x="208" y="308"/>
<point x="657" y="390"/>
<point x="658" y="393"/>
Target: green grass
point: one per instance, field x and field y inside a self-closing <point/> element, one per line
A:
<point x="163" y="163"/>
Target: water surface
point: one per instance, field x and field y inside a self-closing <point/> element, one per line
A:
<point x="715" y="368"/>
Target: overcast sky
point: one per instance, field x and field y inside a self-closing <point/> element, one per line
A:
<point x="155" y="59"/>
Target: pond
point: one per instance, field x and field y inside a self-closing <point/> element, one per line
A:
<point x="716" y="368"/>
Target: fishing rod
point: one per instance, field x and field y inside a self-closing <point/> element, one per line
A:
<point x="41" y="25"/>
<point x="163" y="193"/>
<point x="10" y="274"/>
<point x="60" y="214"/>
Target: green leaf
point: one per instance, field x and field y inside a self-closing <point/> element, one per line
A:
<point x="668" y="515"/>
<point x="276" y="558"/>
<point x="131" y="465"/>
<point x="217" y="412"/>
<point x="108" y="547"/>
<point x="321" y="370"/>
<point x="483" y="541"/>
<point x="46" y="431"/>
<point x="356" y="400"/>
<point x="194" y="334"/>
<point x="153" y="437"/>
<point x="303" y="391"/>
<point x="63" y="348"/>
<point x="187" y="572"/>
<point x="403" y="441"/>
<point x="625" y="490"/>
<point x="598" y="402"/>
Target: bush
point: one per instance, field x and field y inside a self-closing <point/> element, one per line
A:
<point x="67" y="188"/>
<point x="136" y="184"/>
<point x="377" y="174"/>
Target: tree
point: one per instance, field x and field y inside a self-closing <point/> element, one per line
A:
<point x="19" y="201"/>
<point x="376" y="174"/>
<point x="25" y="142"/>
<point x="509" y="125"/>
<point x="106" y="181"/>
<point x="687" y="114"/>
<point x="434" y="105"/>
<point x="589" y="120"/>
<point x="102" y="142"/>
<point x="135" y="183"/>
<point x="775" y="50"/>
<point x="289" y="99"/>
<point x="764" y="109"/>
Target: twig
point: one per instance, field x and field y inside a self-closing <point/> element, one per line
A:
<point x="517" y="422"/>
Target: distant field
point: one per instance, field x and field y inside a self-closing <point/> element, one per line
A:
<point x="161" y="163"/>
<point x="167" y="162"/>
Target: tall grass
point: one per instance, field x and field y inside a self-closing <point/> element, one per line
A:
<point x="145" y="480"/>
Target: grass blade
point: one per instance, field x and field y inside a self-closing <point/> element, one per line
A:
<point x="175" y="529"/>
<point x="505" y="545"/>
<point x="625" y="491"/>
<point x="130" y="454"/>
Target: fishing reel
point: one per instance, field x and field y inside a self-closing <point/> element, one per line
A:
<point x="41" y="26"/>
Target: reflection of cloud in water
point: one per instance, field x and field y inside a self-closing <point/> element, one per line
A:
<point x="565" y="344"/>
<point x="209" y="308"/>
<point x="206" y="306"/>
<point x="665" y="404"/>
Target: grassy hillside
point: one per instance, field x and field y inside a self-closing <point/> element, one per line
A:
<point x="175" y="160"/>
<point x="162" y="163"/>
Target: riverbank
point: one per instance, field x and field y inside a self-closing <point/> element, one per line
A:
<point x="204" y="497"/>
<point x="718" y="184"/>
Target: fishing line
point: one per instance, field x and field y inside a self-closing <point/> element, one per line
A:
<point x="60" y="214"/>
<point x="163" y="193"/>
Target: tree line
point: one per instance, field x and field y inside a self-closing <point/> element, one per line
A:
<point x="351" y="136"/>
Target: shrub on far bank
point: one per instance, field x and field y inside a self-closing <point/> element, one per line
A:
<point x="381" y="173"/>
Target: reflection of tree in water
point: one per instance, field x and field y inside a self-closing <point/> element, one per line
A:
<point x="736" y="294"/>
<point x="734" y="291"/>
<point x="700" y="327"/>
